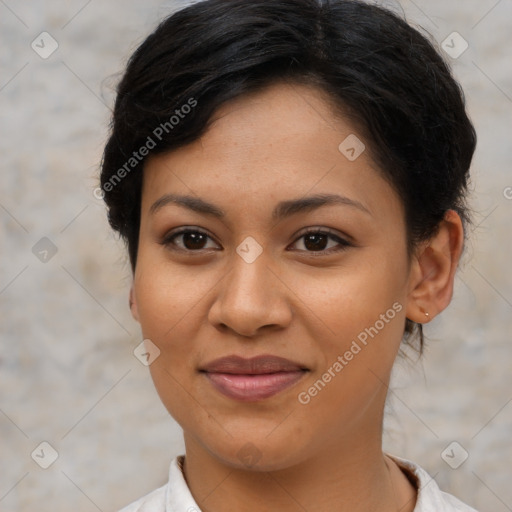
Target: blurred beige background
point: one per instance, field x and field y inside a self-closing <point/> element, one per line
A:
<point x="68" y="375"/>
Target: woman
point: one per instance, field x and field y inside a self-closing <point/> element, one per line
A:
<point x="290" y="178"/>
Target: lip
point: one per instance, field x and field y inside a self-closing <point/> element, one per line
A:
<point x="252" y="379"/>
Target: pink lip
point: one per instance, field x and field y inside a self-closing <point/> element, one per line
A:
<point x="252" y="379"/>
<point x="253" y="387"/>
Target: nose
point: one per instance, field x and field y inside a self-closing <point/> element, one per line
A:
<point x="250" y="299"/>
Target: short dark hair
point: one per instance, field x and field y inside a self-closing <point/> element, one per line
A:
<point x="376" y="68"/>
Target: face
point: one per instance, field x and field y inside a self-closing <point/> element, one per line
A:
<point x="264" y="271"/>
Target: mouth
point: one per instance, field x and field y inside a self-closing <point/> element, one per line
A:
<point x="252" y="379"/>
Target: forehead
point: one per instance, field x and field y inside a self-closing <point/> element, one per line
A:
<point x="279" y="143"/>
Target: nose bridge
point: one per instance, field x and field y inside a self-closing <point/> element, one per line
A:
<point x="248" y="279"/>
<point x="249" y="297"/>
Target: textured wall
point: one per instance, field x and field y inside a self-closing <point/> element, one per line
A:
<point x="68" y="375"/>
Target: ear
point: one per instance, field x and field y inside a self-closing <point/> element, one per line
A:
<point x="433" y="270"/>
<point x="133" y="304"/>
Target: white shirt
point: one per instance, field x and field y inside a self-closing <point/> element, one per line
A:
<point x="175" y="495"/>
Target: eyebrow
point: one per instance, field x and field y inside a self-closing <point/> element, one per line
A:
<point x="282" y="210"/>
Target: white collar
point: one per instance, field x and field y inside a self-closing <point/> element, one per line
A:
<point x="175" y="495"/>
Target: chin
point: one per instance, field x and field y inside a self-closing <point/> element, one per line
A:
<point x="257" y="453"/>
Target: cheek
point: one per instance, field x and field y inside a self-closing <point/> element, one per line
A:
<point x="358" y="315"/>
<point x="167" y="296"/>
<point x="345" y="300"/>
<point x="168" y="305"/>
<point x="362" y="325"/>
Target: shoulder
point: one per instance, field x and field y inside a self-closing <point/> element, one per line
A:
<point x="430" y="497"/>
<point x="149" y="502"/>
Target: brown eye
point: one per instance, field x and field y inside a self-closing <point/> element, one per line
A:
<point x="315" y="241"/>
<point x="318" y="240"/>
<point x="191" y="240"/>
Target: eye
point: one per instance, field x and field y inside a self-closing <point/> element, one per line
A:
<point x="192" y="240"/>
<point x="316" y="240"/>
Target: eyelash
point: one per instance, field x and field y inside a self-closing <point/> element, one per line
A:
<point x="168" y="241"/>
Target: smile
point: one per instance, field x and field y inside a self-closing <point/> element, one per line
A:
<point x="252" y="379"/>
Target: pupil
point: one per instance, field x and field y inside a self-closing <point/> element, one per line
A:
<point x="316" y="246"/>
<point x="193" y="240"/>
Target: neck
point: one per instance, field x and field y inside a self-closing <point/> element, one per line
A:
<point x="350" y="476"/>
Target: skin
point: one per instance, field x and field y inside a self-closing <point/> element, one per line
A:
<point x="200" y="301"/>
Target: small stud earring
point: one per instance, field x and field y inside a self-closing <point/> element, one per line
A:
<point x="425" y="313"/>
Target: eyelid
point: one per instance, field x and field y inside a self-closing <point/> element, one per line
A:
<point x="169" y="236"/>
<point x="341" y="235"/>
<point x="344" y="241"/>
